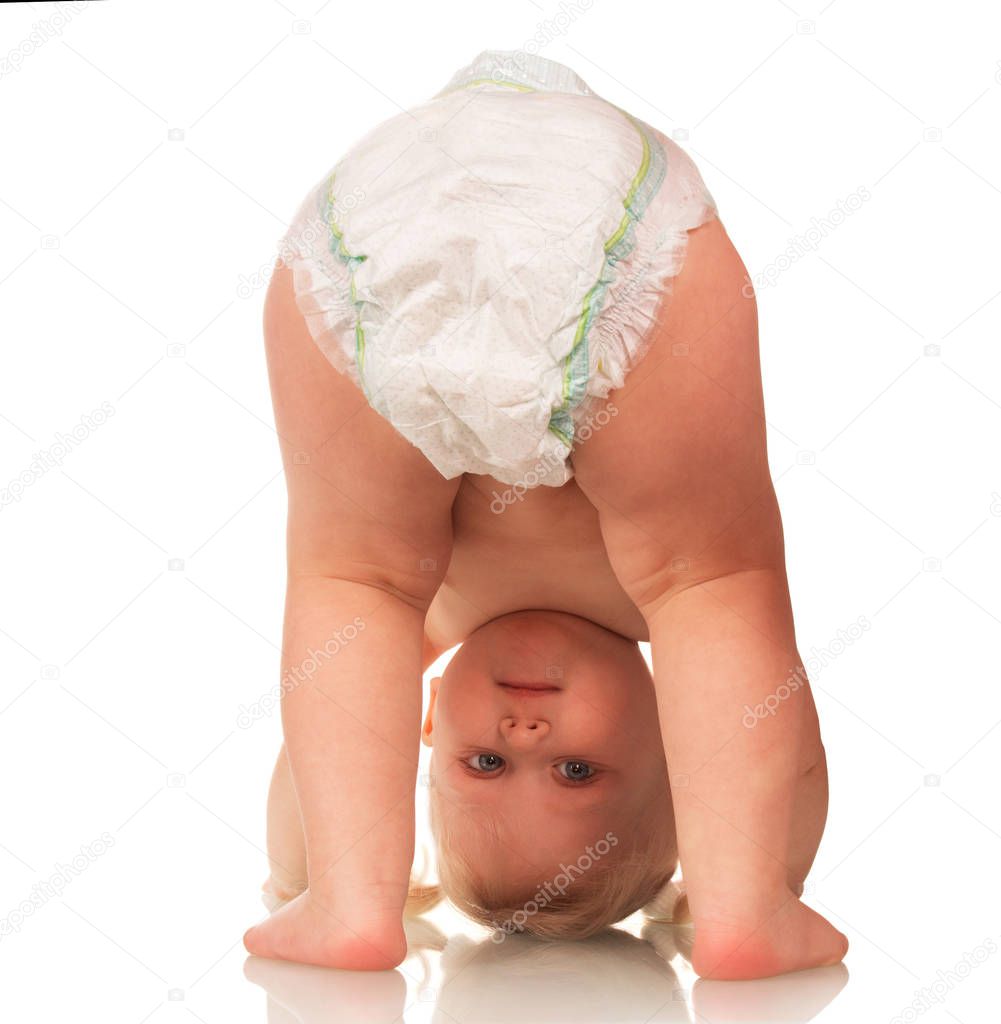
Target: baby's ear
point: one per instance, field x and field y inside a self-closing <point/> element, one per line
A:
<point x="428" y="726"/>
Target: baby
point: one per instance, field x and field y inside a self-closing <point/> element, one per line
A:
<point x="514" y="363"/>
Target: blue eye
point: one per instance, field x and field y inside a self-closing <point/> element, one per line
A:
<point x="485" y="763"/>
<point x="575" y="771"/>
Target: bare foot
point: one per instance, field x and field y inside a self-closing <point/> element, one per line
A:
<point x="790" y="938"/>
<point x="308" y="932"/>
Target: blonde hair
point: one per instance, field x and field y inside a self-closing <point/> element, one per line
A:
<point x="617" y="885"/>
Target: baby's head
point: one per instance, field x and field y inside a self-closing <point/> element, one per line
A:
<point x="550" y="803"/>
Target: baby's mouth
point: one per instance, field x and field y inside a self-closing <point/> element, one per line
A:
<point x="522" y="689"/>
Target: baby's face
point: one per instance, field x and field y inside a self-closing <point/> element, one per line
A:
<point x="545" y="738"/>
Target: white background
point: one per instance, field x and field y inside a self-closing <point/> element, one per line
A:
<point x="153" y="155"/>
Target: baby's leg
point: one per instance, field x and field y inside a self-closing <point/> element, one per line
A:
<point x="368" y="542"/>
<point x="688" y="513"/>
<point x="286" y="842"/>
<point x="809" y="810"/>
<point x="717" y="648"/>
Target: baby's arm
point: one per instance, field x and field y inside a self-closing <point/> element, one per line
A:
<point x="689" y="517"/>
<point x="368" y="542"/>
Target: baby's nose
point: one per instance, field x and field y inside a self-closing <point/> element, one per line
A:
<point x="523" y="730"/>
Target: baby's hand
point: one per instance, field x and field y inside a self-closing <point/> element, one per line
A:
<point x="355" y="938"/>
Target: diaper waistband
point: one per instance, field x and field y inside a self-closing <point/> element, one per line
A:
<point x="528" y="72"/>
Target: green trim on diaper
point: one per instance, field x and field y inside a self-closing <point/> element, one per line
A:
<point x="642" y="189"/>
<point x="520" y="86"/>
<point x="561" y="434"/>
<point x="351" y="261"/>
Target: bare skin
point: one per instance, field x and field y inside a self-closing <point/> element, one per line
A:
<point x="670" y="533"/>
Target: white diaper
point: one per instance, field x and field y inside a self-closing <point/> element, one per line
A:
<point x="486" y="266"/>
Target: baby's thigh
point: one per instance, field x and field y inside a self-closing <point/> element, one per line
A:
<point x="362" y="499"/>
<point x="679" y="475"/>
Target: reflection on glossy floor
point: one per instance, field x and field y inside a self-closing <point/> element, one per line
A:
<point x="618" y="976"/>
